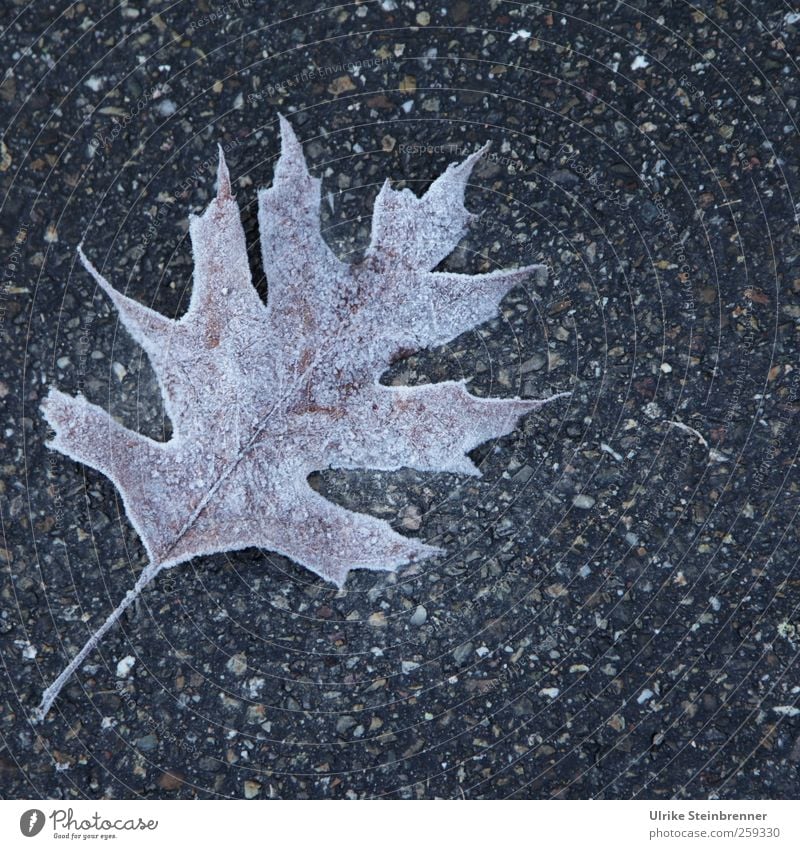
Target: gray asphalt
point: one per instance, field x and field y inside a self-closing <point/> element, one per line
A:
<point x="617" y="614"/>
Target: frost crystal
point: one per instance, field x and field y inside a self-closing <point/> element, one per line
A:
<point x="260" y="396"/>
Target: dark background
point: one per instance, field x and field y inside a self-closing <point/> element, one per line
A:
<point x="617" y="615"/>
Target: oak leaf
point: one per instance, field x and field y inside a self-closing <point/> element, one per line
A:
<point x="262" y="395"/>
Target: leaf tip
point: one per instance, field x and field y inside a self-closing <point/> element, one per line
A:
<point x="528" y="405"/>
<point x="289" y="142"/>
<point x="96" y="275"/>
<point x="223" y="177"/>
<point x="463" y="170"/>
<point x="425" y="551"/>
<point x="291" y="162"/>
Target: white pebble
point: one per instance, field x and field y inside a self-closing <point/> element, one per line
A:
<point x="125" y="666"/>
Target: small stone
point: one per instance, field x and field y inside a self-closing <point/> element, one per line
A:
<point x="5" y="157"/>
<point x="251" y="789"/>
<point x="523" y="475"/>
<point x="411" y="518"/>
<point x="408" y="84"/>
<point x="344" y="724"/>
<point x="583" y="502"/>
<point x="535" y="363"/>
<point x="461" y="653"/>
<point x="419" y="616"/>
<point x="125" y="666"/>
<point x="341" y="85"/>
<point x="170" y="780"/>
<point x="652" y="410"/>
<point x="237" y="664"/>
<point x="561" y="333"/>
<point x="256" y="714"/>
<point x="408" y="666"/>
<point x="166" y="107"/>
<point x="148" y="743"/>
<point x="423" y="18"/>
<point x="377" y="619"/>
<point x="645" y="695"/>
<point x="617" y="722"/>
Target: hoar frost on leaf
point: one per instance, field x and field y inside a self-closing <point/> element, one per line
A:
<point x="260" y="396"/>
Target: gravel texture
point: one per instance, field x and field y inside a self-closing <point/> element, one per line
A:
<point x="617" y="615"/>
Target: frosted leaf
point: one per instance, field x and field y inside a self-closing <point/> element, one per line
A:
<point x="260" y="396"/>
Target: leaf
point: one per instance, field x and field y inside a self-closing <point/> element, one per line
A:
<point x="260" y="396"/>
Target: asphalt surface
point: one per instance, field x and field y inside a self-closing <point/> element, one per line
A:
<point x="617" y="614"/>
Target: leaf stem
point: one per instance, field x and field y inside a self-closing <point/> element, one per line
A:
<point x="51" y="693"/>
